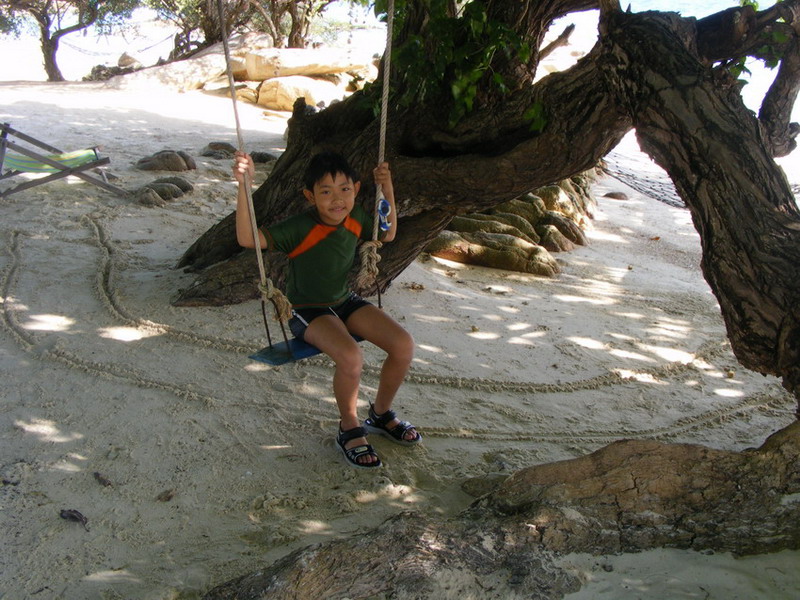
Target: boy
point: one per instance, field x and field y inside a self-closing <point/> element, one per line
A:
<point x="321" y="245"/>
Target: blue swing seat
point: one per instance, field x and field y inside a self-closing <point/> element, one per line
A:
<point x="280" y="354"/>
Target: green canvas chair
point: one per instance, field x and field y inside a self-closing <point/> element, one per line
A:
<point x="55" y="164"/>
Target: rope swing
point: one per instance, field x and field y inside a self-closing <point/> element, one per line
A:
<point x="368" y="273"/>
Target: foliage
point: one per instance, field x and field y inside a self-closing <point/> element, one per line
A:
<point x="57" y="18"/>
<point x="287" y="22"/>
<point x="452" y="56"/>
<point x="64" y="15"/>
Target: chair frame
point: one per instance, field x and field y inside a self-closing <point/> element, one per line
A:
<point x="6" y="131"/>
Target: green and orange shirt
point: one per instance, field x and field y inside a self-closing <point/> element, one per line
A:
<point x="320" y="256"/>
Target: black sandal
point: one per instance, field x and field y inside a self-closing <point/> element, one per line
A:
<point x="353" y="454"/>
<point x="377" y="424"/>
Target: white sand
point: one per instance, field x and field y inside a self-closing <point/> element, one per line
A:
<point x="102" y="375"/>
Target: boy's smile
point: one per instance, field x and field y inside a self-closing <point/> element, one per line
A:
<point x="334" y="197"/>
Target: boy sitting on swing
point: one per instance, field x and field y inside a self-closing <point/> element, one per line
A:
<point x="321" y="245"/>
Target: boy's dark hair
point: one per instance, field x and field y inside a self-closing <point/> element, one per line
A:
<point x="328" y="163"/>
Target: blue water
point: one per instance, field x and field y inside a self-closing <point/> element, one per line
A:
<point x="687" y="8"/>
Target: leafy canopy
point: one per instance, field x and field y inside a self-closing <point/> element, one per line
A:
<point x="450" y="58"/>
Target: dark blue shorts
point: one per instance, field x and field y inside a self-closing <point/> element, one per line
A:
<point x="302" y="317"/>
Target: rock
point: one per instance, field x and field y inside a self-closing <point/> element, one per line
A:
<point x="221" y="150"/>
<point x="104" y="73"/>
<point x="262" y="157"/>
<point x="553" y="240"/>
<point x="266" y="64"/>
<point x="499" y="251"/>
<point x="616" y="195"/>
<point x="165" y="191"/>
<point x="167" y="160"/>
<point x="556" y="199"/>
<point x="148" y="197"/>
<point x="182" y="183"/>
<point x="126" y="61"/>
<point x="280" y="93"/>
<point x="193" y="73"/>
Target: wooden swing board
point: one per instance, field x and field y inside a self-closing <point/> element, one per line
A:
<point x="280" y="354"/>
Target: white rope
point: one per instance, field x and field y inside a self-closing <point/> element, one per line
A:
<point x="369" y="250"/>
<point x="268" y="291"/>
<point x="387" y="68"/>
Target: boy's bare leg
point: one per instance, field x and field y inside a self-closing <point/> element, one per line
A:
<point x="377" y="327"/>
<point x="329" y="334"/>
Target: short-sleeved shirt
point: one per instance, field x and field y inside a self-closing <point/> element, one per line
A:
<point x="320" y="255"/>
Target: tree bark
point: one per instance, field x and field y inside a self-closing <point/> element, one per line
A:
<point x="693" y="123"/>
<point x="49" y="50"/>
<point x="629" y="496"/>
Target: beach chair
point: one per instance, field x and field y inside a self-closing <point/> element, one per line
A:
<point x="55" y="164"/>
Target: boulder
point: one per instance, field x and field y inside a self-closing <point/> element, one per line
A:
<point x="557" y="199"/>
<point x="193" y="73"/>
<point x="283" y="62"/>
<point x="280" y="93"/>
<point x="184" y="75"/>
<point x="167" y="160"/>
<point x="127" y="61"/>
<point x="495" y="250"/>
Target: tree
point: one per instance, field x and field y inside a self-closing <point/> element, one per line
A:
<point x="294" y="18"/>
<point x="57" y="18"/>
<point x="198" y="21"/>
<point x="464" y="107"/>
<point x="286" y="21"/>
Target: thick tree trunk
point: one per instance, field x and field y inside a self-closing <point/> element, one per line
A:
<point x="695" y="125"/>
<point x="628" y="496"/>
<point x="49" y="51"/>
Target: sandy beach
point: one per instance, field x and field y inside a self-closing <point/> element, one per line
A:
<point x="194" y="464"/>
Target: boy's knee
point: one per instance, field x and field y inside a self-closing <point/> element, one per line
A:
<point x="351" y="361"/>
<point x="403" y="347"/>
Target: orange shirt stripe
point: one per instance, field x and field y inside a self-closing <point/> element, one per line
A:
<point x="320" y="232"/>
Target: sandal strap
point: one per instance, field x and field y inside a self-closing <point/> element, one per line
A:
<point x="381" y="420"/>
<point x="358" y="451"/>
<point x="351" y="434"/>
<point x="399" y="431"/>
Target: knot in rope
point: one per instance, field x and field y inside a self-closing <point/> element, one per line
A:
<point x="283" y="308"/>
<point x="368" y="274"/>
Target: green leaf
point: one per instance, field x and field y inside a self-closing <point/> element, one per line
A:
<point x="535" y="117"/>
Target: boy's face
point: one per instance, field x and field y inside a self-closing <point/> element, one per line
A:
<point x="334" y="197"/>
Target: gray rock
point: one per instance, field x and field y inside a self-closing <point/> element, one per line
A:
<point x="167" y="160"/>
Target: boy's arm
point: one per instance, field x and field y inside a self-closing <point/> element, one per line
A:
<point x="243" y="166"/>
<point x="383" y="177"/>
